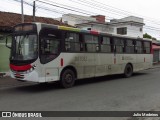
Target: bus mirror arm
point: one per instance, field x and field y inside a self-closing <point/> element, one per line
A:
<point x="7" y="37"/>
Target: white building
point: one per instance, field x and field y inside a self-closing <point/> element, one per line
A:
<point x="128" y="26"/>
<point x="73" y="19"/>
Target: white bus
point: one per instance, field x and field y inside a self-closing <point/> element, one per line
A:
<point x="44" y="53"/>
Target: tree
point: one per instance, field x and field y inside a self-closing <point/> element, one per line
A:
<point x="148" y="36"/>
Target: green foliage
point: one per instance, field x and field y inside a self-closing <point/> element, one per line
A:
<point x="148" y="36"/>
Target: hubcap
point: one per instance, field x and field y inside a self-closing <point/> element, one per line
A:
<point x="68" y="78"/>
<point x="128" y="70"/>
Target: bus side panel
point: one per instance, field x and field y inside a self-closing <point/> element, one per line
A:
<point x="139" y="62"/>
<point x="103" y="63"/>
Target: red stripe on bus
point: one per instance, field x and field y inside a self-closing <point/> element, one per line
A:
<point x="61" y="62"/>
<point x="17" y="68"/>
<point x="114" y="60"/>
<point x="94" y="32"/>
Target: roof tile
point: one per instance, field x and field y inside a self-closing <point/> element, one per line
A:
<point x="10" y="19"/>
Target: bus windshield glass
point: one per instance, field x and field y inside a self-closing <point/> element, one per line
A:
<point x="25" y="47"/>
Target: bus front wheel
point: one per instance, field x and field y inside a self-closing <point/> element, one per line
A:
<point x="128" y="71"/>
<point x="67" y="78"/>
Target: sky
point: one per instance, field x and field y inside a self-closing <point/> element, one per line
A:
<point x="112" y="9"/>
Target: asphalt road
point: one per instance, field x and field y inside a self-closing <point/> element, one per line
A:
<point x="112" y="93"/>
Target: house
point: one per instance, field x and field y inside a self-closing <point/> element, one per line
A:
<point x="73" y="19"/>
<point x="7" y="20"/>
<point x="129" y="26"/>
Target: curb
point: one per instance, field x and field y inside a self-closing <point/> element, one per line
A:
<point x="4" y="74"/>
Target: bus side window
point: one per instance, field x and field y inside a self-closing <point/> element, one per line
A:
<point x="119" y="45"/>
<point x="105" y="44"/>
<point x="138" y="47"/>
<point x="49" y="44"/>
<point x="91" y="43"/>
<point x="147" y="48"/>
<point x="130" y="46"/>
<point x="72" y="42"/>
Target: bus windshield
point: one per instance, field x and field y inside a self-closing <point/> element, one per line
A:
<point x="25" y="47"/>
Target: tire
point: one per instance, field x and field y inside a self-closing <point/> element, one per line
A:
<point x="128" y="71"/>
<point x="67" y="78"/>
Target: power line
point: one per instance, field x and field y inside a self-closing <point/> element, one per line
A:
<point x="147" y="27"/>
<point x="153" y="28"/>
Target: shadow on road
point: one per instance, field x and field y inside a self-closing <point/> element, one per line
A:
<point x="55" y="85"/>
<point x="105" y="79"/>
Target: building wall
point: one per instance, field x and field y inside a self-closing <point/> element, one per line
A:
<point x="132" y="30"/>
<point x="4" y="57"/>
<point x="72" y="19"/>
<point x="97" y="27"/>
<point x="132" y="23"/>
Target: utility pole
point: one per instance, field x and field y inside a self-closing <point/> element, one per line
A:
<point x="34" y="11"/>
<point x="22" y="11"/>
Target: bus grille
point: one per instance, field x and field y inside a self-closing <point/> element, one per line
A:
<point x="19" y="76"/>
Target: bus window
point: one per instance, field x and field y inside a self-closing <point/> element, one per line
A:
<point x="119" y="45"/>
<point x="106" y="45"/>
<point x="138" y="47"/>
<point x="129" y="46"/>
<point x="91" y="43"/>
<point x="147" y="48"/>
<point x="72" y="42"/>
<point x="49" y="45"/>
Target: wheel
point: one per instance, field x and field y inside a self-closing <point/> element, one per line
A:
<point x="67" y="78"/>
<point x="128" y="71"/>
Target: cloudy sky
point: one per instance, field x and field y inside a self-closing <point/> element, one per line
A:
<point x="112" y="9"/>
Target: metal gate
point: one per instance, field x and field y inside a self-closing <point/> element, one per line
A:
<point x="156" y="56"/>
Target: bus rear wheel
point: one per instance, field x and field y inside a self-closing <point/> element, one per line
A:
<point x="67" y="78"/>
<point x="128" y="71"/>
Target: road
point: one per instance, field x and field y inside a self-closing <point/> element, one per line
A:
<point x="112" y="93"/>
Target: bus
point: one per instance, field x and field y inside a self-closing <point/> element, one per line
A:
<point x="44" y="53"/>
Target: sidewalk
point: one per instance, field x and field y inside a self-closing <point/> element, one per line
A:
<point x="156" y="65"/>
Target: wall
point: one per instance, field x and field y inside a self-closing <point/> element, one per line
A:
<point x="4" y="57"/>
<point x="132" y="30"/>
<point x="73" y="19"/>
<point x="98" y="27"/>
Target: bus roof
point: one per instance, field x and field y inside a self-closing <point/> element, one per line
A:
<point x="85" y="31"/>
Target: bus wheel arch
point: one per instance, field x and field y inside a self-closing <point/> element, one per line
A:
<point x="68" y="76"/>
<point x="128" y="70"/>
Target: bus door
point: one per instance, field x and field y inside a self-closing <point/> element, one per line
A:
<point x="118" y="56"/>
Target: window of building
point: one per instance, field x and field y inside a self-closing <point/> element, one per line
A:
<point x="119" y="45"/>
<point x="140" y="29"/>
<point x="91" y="43"/>
<point x="122" y="31"/>
<point x="106" y="44"/>
<point x="72" y="42"/>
